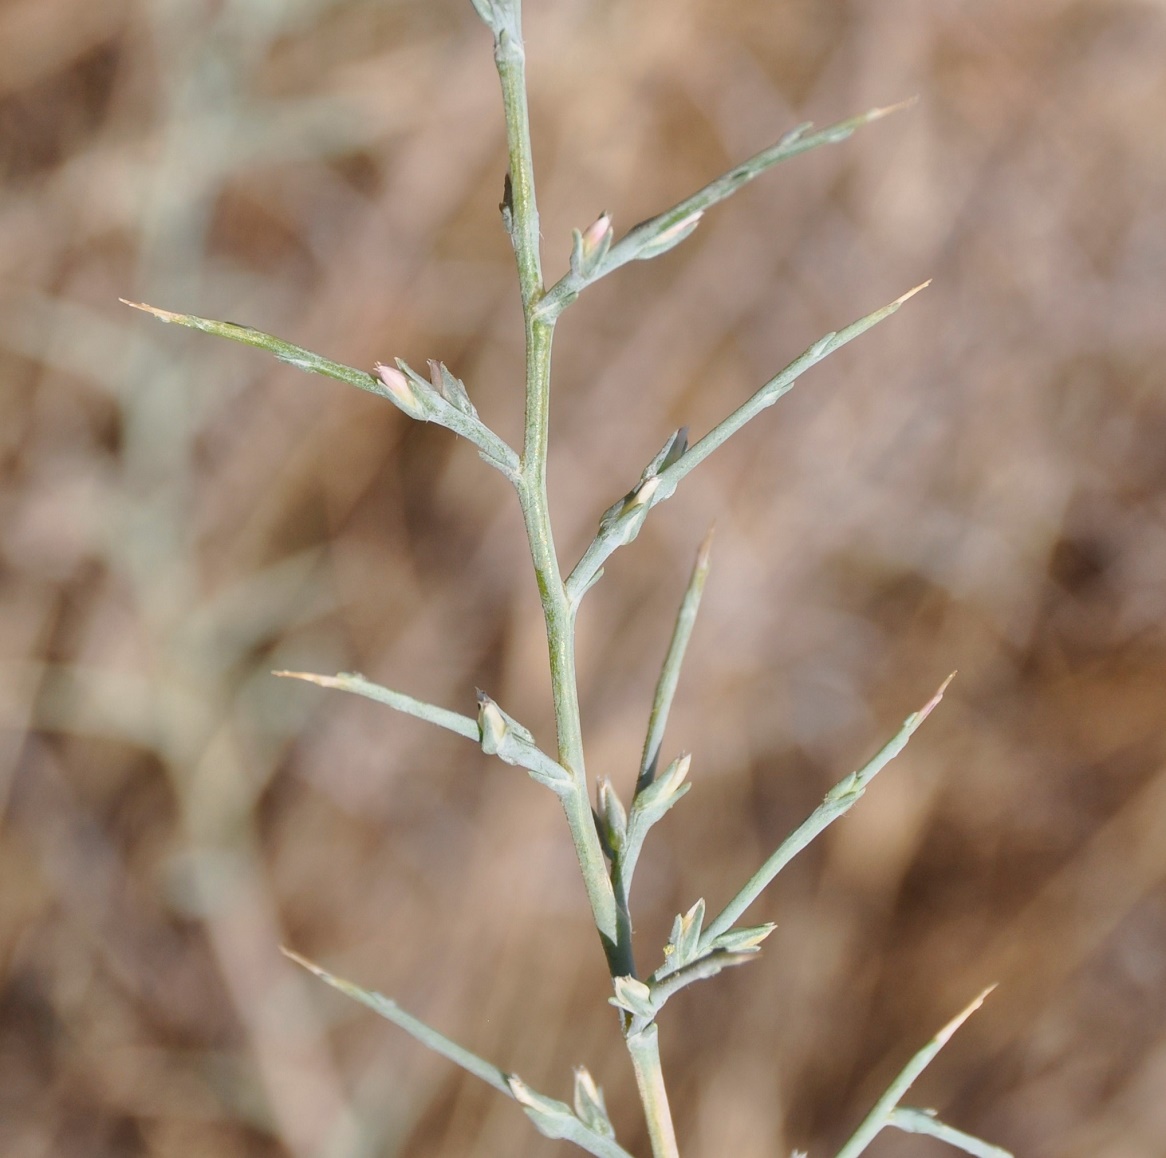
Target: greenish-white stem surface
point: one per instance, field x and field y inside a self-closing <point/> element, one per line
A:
<point x="551" y="1116"/>
<point x="839" y="800"/>
<point x="358" y="685"/>
<point x="644" y="1048"/>
<point x="883" y="1112"/>
<point x="912" y="1121"/>
<point x="615" y="532"/>
<point x="521" y="216"/>
<point x="670" y="670"/>
<point x="521" y="212"/>
<point x="659" y="233"/>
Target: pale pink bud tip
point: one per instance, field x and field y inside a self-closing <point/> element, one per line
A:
<point x="594" y="234"/>
<point x="398" y="385"/>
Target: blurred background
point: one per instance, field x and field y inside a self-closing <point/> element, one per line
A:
<point x="978" y="484"/>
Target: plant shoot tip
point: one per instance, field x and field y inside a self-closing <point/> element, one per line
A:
<point x="308" y="677"/>
<point x="933" y="703"/>
<point x="911" y="293"/>
<point x="161" y="315"/>
<point x="897" y="107"/>
<point x="948" y="1031"/>
<point x="292" y="955"/>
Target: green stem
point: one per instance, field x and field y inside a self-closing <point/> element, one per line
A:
<point x="882" y="1114"/>
<point x="644" y="1048"/>
<point x="510" y="57"/>
<point x="611" y="919"/>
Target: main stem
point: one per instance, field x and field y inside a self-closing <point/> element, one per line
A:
<point x="610" y="919"/>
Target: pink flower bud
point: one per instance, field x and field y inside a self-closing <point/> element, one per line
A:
<point x="397" y="383"/>
<point x="595" y="233"/>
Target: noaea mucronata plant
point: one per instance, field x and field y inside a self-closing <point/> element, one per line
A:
<point x="608" y="834"/>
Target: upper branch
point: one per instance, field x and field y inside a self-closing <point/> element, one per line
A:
<point x="621" y="523"/>
<point x="595" y="255"/>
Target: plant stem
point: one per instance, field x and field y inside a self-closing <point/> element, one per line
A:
<point x="611" y="919"/>
<point x="882" y="1113"/>
<point x="510" y="57"/>
<point x="644" y="1048"/>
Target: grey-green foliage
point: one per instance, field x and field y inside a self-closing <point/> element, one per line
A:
<point x="608" y="839"/>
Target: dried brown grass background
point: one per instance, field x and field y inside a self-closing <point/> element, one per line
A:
<point x="979" y="484"/>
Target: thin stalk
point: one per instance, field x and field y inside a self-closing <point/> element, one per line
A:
<point x="552" y="1118"/>
<point x="644" y="1048"/>
<point x="882" y="1115"/>
<point x="839" y="800"/>
<point x="670" y="670"/>
<point x="522" y="220"/>
<point x="521" y="213"/>
<point x="925" y="1122"/>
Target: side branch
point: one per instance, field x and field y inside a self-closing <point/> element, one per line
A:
<point x="621" y="523"/>
<point x="839" y="800"/>
<point x="551" y="1117"/>
<point x="883" y="1113"/>
<point x="443" y="401"/>
<point x="499" y="734"/>
<point x="595" y="255"/>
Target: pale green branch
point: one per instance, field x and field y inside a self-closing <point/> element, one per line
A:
<point x="426" y="1035"/>
<point x="670" y="671"/>
<point x="551" y="1117"/>
<point x="660" y="233"/>
<point x="925" y="1122"/>
<point x="622" y="522"/>
<point x="881" y="1115"/>
<point x="417" y="399"/>
<point x="839" y="800"/>
<point x="649" y="806"/>
<point x="358" y="685"/>
<point x="499" y="734"/>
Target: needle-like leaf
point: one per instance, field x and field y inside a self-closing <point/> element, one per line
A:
<point x="499" y="734"/>
<point x="358" y="685"/>
<point x="925" y="1122"/>
<point x="421" y="401"/>
<point x="670" y="671"/>
<point x="553" y="1118"/>
<point x="425" y="1034"/>
<point x="839" y="800"/>
<point x="660" y="233"/>
<point x="621" y="523"/>
<point x="884" y="1109"/>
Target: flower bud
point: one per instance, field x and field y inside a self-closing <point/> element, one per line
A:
<point x="492" y="723"/>
<point x="596" y="233"/>
<point x="590" y="247"/>
<point x="401" y="391"/>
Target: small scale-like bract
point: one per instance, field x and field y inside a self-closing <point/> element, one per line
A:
<point x="610" y="835"/>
